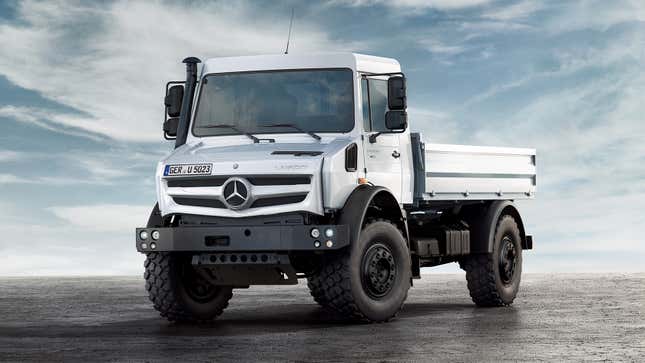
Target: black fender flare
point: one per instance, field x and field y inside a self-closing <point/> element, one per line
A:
<point x="483" y="230"/>
<point x="356" y="207"/>
<point x="155" y="219"/>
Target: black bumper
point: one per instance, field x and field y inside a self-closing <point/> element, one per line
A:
<point x="242" y="238"/>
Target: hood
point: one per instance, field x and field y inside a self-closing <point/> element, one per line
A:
<point x="262" y="158"/>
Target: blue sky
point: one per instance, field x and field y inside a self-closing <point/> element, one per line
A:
<point x="81" y="90"/>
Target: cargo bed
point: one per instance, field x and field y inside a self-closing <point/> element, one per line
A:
<point x="464" y="172"/>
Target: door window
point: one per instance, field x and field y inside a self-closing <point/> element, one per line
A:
<point x="374" y="94"/>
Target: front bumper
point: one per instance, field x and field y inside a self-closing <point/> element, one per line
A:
<point x="242" y="238"/>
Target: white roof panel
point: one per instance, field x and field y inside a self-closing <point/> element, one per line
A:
<point x="356" y="62"/>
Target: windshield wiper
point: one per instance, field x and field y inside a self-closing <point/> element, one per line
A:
<point x="232" y="127"/>
<point x="296" y="128"/>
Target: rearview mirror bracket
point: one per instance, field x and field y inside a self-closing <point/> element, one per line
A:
<point x="396" y="102"/>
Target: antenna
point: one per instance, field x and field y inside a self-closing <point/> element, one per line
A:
<point x="289" y="36"/>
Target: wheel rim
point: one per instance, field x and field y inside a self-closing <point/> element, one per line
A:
<point x="379" y="270"/>
<point x="507" y="260"/>
<point x="197" y="287"/>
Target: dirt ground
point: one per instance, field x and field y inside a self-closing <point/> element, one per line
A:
<point x="555" y="318"/>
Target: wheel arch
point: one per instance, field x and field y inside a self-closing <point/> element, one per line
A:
<point x="483" y="223"/>
<point x="366" y="201"/>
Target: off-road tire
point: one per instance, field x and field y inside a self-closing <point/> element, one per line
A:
<point x="314" y="283"/>
<point x="169" y="295"/>
<point x="485" y="281"/>
<point x="340" y="286"/>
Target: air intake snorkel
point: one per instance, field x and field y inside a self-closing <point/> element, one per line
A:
<point x="187" y="103"/>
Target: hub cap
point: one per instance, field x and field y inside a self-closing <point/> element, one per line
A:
<point x="507" y="260"/>
<point x="379" y="270"/>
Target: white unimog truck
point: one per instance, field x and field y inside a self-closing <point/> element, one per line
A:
<point x="303" y="166"/>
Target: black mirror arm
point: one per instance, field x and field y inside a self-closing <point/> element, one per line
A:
<point x="373" y="137"/>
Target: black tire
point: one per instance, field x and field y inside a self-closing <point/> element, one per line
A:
<point x="314" y="283"/>
<point x="494" y="278"/>
<point x="179" y="293"/>
<point x="368" y="281"/>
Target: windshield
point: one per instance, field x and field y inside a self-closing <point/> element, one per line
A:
<point x="273" y="102"/>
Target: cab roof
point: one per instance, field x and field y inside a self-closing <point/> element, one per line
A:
<point x="353" y="61"/>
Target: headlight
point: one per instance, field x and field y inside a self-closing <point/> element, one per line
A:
<point x="155" y="235"/>
<point x="143" y="235"/>
<point x="315" y="233"/>
<point x="329" y="233"/>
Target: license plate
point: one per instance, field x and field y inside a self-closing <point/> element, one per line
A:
<point x="187" y="169"/>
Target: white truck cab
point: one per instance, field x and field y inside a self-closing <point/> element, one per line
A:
<point x="304" y="166"/>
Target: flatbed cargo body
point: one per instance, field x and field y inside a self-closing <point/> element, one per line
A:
<point x="465" y="172"/>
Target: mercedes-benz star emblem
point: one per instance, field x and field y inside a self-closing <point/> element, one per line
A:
<point x="236" y="193"/>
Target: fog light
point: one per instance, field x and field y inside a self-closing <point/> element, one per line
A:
<point x="144" y="245"/>
<point x="155" y="235"/>
<point x="316" y="244"/>
<point x="143" y="235"/>
<point x="153" y="245"/>
<point x="329" y="233"/>
<point x="315" y="233"/>
<point x="329" y="244"/>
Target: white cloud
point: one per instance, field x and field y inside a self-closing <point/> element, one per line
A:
<point x="80" y="167"/>
<point x="437" y="47"/>
<point x="414" y="4"/>
<point x="11" y="179"/>
<point x="71" y="240"/>
<point x="597" y="15"/>
<point x="64" y="123"/>
<point x="9" y="155"/>
<point x="514" y="12"/>
<point x="111" y="63"/>
<point x="436" y="126"/>
<point x="32" y="249"/>
<point x="104" y="217"/>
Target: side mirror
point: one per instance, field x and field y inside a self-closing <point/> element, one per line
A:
<point x="174" y="97"/>
<point x="396" y="120"/>
<point x="170" y="127"/>
<point x="396" y="97"/>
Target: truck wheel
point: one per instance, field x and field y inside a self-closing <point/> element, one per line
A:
<point x="368" y="281"/>
<point x="494" y="278"/>
<point x="179" y="293"/>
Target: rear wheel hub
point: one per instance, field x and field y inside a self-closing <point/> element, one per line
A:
<point x="507" y="259"/>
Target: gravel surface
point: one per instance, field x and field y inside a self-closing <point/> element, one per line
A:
<point x="555" y="318"/>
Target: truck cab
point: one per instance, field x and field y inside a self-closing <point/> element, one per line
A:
<point x="304" y="166"/>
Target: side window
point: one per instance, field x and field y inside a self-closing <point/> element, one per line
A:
<point x="374" y="95"/>
<point x="365" y="105"/>
<point x="378" y="103"/>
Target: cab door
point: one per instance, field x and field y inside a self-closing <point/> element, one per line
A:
<point x="382" y="153"/>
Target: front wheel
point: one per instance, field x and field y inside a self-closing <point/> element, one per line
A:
<point x="494" y="278"/>
<point x="179" y="292"/>
<point x="370" y="280"/>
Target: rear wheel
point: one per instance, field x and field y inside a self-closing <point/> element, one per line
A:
<point x="494" y="278"/>
<point x="179" y="292"/>
<point x="370" y="280"/>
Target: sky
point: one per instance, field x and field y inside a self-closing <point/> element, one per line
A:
<point x="81" y="88"/>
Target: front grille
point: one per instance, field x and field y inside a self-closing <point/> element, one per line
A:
<point x="268" y="202"/>
<point x="192" y="183"/>
<point x="197" y="202"/>
<point x="272" y="190"/>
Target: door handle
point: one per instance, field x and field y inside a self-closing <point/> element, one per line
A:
<point x="395" y="154"/>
